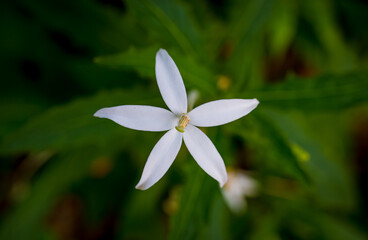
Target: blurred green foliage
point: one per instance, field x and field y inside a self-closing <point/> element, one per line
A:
<point x="67" y="175"/>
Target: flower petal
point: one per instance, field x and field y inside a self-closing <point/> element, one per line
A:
<point x="170" y="83"/>
<point x="235" y="201"/>
<point x="205" y="153"/>
<point x="160" y="159"/>
<point x="221" y="111"/>
<point x="145" y="118"/>
<point x="248" y="185"/>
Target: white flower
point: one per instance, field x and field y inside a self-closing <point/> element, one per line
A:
<point x="180" y="123"/>
<point x="239" y="186"/>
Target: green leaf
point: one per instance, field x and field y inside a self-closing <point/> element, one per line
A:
<point x="141" y="208"/>
<point x="169" y="22"/>
<point x="74" y="125"/>
<point x="140" y="60"/>
<point x="16" y="112"/>
<point x="245" y="32"/>
<point x="196" y="198"/>
<point x="283" y="26"/>
<point x="219" y="219"/>
<point x="320" y="15"/>
<point x="261" y="132"/>
<point x="326" y="92"/>
<point x="330" y="183"/>
<point x="143" y="61"/>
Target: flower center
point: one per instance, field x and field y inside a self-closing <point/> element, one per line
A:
<point x="183" y="122"/>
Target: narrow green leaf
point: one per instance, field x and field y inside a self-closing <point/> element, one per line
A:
<point x="326" y="92"/>
<point x="140" y="60"/>
<point x="219" y="219"/>
<point x="262" y="133"/>
<point x="137" y="214"/>
<point x="169" y="21"/>
<point x="73" y="124"/>
<point x="143" y="61"/>
<point x="329" y="179"/>
<point x="196" y="198"/>
<point x="15" y="113"/>
<point x="321" y="15"/>
<point x="283" y="26"/>
<point x="245" y="31"/>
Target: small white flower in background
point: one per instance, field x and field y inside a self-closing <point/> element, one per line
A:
<point x="239" y="186"/>
<point x="180" y="123"/>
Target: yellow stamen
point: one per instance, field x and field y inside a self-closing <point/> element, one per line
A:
<point x="183" y="122"/>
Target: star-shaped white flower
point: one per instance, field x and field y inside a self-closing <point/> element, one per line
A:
<point x="180" y="123"/>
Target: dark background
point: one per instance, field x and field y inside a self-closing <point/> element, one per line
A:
<point x="67" y="175"/>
